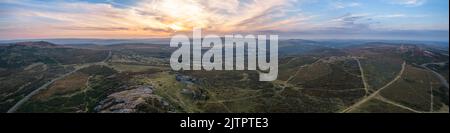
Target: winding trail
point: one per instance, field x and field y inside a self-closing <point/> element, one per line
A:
<point x="441" y="78"/>
<point x="36" y="91"/>
<point x="364" y="100"/>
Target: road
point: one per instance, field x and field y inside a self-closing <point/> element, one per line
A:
<point x="364" y="100"/>
<point x="441" y="78"/>
<point x="27" y="97"/>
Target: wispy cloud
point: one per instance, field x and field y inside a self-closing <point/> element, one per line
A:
<point x="348" y="23"/>
<point x="163" y="18"/>
<point x="410" y="3"/>
<point x="155" y="17"/>
<point x="399" y="15"/>
<point x="342" y="5"/>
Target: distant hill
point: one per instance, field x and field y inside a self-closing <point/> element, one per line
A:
<point x="25" y="53"/>
<point x="334" y="43"/>
<point x="92" y="41"/>
<point x="35" y="44"/>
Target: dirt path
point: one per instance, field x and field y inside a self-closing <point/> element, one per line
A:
<point x="363" y="78"/>
<point x="27" y="97"/>
<point x="431" y="97"/>
<point x="237" y="99"/>
<point x="343" y="90"/>
<point x="291" y="60"/>
<point x="214" y="98"/>
<point x="364" y="100"/>
<point x="286" y="83"/>
<point x="441" y="78"/>
<point x="88" y="86"/>
<point x="396" y="104"/>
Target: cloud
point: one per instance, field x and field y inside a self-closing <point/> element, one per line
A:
<point x="152" y="17"/>
<point x="163" y="18"/>
<point x="342" y="5"/>
<point x="95" y="28"/>
<point x="349" y="22"/>
<point x="391" y="16"/>
<point x="409" y="3"/>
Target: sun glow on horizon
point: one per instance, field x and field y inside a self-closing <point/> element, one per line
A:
<point x="164" y="18"/>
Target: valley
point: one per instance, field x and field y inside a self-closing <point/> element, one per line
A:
<point x="372" y="77"/>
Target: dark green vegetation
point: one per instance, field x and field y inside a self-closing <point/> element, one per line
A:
<point x="313" y="77"/>
<point x="26" y="66"/>
<point x="415" y="88"/>
<point x="377" y="106"/>
<point x="77" y="93"/>
<point x="24" y="54"/>
<point x="381" y="63"/>
<point x="441" y="68"/>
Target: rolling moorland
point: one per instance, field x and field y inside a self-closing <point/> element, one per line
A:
<point x="314" y="76"/>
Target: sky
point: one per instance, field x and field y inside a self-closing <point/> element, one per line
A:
<point x="304" y="19"/>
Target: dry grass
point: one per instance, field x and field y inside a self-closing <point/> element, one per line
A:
<point x="71" y="83"/>
<point x="413" y="89"/>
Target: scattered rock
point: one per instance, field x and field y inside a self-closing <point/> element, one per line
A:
<point x="126" y="101"/>
<point x="185" y="79"/>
